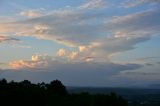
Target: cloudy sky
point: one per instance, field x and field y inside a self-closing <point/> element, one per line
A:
<point x="81" y="42"/>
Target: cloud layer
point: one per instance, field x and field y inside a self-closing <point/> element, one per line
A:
<point x="134" y="3"/>
<point x="7" y="39"/>
<point x="81" y="28"/>
<point x="91" y="34"/>
<point x="92" y="72"/>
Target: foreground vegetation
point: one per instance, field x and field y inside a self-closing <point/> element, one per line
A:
<point x="54" y="94"/>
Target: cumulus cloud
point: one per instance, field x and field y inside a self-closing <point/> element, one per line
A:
<point x="37" y="58"/>
<point x="81" y="55"/>
<point x="73" y="55"/>
<point x="92" y="72"/>
<point x="76" y="27"/>
<point x="61" y="52"/>
<point x="49" y="63"/>
<point x="82" y="48"/>
<point x="36" y="62"/>
<point x="95" y="35"/>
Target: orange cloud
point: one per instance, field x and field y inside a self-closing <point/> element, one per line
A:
<point x="73" y="55"/>
<point x="36" y="62"/>
<point x="21" y="64"/>
<point x="61" y="52"/>
<point x="82" y="48"/>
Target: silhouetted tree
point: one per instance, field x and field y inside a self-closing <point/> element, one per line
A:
<point x="26" y="93"/>
<point x="25" y="83"/>
<point x="57" y="88"/>
<point x="3" y="81"/>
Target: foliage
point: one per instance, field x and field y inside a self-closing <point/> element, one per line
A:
<point x="54" y="94"/>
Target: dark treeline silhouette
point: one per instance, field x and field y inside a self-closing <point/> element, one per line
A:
<point x="26" y="93"/>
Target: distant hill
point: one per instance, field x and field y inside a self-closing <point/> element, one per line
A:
<point x="134" y="96"/>
<point x="157" y="86"/>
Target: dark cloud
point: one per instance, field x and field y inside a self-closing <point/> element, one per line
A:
<point x="148" y="58"/>
<point x="80" y="73"/>
<point x="141" y="73"/>
<point x="158" y="62"/>
<point x="149" y="64"/>
<point x="7" y="39"/>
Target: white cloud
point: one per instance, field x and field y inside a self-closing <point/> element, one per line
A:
<point x="32" y="13"/>
<point x="62" y="26"/>
<point x="84" y="72"/>
<point x="95" y="35"/>
<point x="36" y="62"/>
<point x="82" y="48"/>
<point x="61" y="52"/>
<point x="37" y="58"/>
<point x="46" y="62"/>
<point x="99" y="40"/>
<point x="134" y="3"/>
<point x="137" y="24"/>
<point x="94" y="4"/>
<point x="73" y="55"/>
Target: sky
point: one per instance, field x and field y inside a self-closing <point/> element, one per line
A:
<point x="99" y="43"/>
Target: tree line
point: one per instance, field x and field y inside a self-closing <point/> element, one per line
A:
<point x="25" y="93"/>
